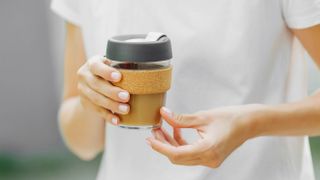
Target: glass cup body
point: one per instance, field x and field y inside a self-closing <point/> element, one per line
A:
<point x="144" y="108"/>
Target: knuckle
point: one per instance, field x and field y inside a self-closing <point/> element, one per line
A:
<point x="201" y="116"/>
<point x="186" y="119"/>
<point x="215" y="164"/>
<point x="105" y="114"/>
<point x="93" y="65"/>
<point x="107" y="104"/>
<point x="100" y="111"/>
<point x="106" y="61"/>
<point x="173" y="161"/>
<point x="82" y="90"/>
<point x="110" y="91"/>
<point x="94" y="98"/>
<point x="196" y="117"/>
<point x="94" y="83"/>
<point x="80" y="72"/>
<point x="175" y="157"/>
<point x="179" y="118"/>
<point x="154" y="148"/>
<point x="211" y="157"/>
<point x="95" y="61"/>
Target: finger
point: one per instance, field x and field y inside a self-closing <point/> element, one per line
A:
<point x="211" y="164"/>
<point x="177" y="136"/>
<point x="101" y="58"/>
<point x="173" y="153"/>
<point x="103" y="113"/>
<point x="159" y="136"/>
<point x="190" y="162"/>
<point x="103" y="101"/>
<point x="181" y="120"/>
<point x="179" y="153"/>
<point x="166" y="135"/>
<point x="106" y="88"/>
<point x="106" y="61"/>
<point x="99" y="67"/>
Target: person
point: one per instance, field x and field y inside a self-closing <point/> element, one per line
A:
<point x="239" y="89"/>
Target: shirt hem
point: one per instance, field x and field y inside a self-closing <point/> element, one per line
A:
<point x="304" y="22"/>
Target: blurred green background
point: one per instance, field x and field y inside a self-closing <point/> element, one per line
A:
<point x="31" y="56"/>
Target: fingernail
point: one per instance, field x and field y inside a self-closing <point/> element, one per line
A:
<point x="123" y="108"/>
<point x="114" y="121"/>
<point x="115" y="75"/>
<point x="123" y="95"/>
<point x="167" y="111"/>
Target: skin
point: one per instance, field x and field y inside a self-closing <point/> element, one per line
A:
<point x="90" y="100"/>
<point x="222" y="130"/>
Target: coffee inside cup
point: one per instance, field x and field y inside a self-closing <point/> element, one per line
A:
<point x="147" y="99"/>
<point x="145" y="110"/>
<point x="146" y="75"/>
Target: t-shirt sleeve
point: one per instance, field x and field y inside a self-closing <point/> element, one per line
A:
<point x="300" y="14"/>
<point x="68" y="10"/>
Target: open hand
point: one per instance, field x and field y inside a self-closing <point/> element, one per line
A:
<point x="220" y="131"/>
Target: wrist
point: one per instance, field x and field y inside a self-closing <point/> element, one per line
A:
<point x="257" y="120"/>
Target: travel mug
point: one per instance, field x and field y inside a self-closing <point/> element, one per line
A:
<point x="144" y="62"/>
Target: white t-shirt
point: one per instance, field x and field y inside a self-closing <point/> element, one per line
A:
<point x="226" y="52"/>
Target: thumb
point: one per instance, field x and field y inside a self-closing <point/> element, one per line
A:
<point x="180" y="120"/>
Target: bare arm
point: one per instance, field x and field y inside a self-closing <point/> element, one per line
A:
<point x="310" y="39"/>
<point x="82" y="130"/>
<point x="224" y="129"/>
<point x="300" y="118"/>
<point x="90" y="100"/>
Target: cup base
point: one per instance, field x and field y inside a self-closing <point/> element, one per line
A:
<point x="140" y="127"/>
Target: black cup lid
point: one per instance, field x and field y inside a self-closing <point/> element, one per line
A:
<point x="139" y="48"/>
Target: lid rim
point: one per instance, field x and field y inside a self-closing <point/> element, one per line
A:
<point x="118" y="49"/>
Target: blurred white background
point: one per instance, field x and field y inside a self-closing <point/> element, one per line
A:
<point x="31" y="72"/>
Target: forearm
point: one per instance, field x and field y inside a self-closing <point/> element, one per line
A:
<point x="292" y="119"/>
<point x="82" y="130"/>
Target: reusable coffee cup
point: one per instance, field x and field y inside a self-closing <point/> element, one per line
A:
<point x="144" y="62"/>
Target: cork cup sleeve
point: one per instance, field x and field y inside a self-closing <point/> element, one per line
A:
<point x="145" y="81"/>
